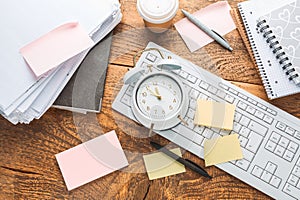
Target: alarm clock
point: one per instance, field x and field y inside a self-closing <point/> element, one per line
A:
<point x="159" y="97"/>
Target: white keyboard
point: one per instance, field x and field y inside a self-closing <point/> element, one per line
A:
<point x="269" y="137"/>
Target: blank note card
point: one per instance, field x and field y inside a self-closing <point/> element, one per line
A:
<point x="55" y="47"/>
<point x="91" y="160"/>
<point x="215" y="16"/>
<point x="214" y="114"/>
<point x="222" y="149"/>
<point x="159" y="165"/>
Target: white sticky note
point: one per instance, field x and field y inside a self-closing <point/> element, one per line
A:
<point x="91" y="160"/>
<point x="214" y="114"/>
<point x="222" y="149"/>
<point x="159" y="165"/>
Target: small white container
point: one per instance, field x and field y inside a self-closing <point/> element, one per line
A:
<point x="157" y="14"/>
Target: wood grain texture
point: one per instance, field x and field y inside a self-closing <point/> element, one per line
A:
<point x="28" y="169"/>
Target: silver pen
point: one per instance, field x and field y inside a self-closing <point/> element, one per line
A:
<point x="213" y="34"/>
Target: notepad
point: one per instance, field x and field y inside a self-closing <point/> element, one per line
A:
<point x="222" y="149"/>
<point x="275" y="82"/>
<point x="280" y="29"/>
<point x="159" y="165"/>
<point x="214" y="114"/>
<point x="55" y="47"/>
<point x="91" y="160"/>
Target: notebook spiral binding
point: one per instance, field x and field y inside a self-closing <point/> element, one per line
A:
<point x="281" y="56"/>
<point x="256" y="56"/>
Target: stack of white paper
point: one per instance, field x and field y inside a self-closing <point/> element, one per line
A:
<point x="25" y="95"/>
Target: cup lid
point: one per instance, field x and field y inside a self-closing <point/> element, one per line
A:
<point x="157" y="11"/>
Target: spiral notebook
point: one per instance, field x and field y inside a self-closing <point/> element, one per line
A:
<point x="281" y="30"/>
<point x="275" y="80"/>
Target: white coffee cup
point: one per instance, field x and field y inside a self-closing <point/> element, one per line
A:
<point x="157" y="14"/>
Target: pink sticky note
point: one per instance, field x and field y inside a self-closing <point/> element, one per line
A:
<point x="91" y="160"/>
<point x="55" y="47"/>
<point x="215" y="16"/>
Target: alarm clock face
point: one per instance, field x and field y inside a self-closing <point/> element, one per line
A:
<point x="159" y="98"/>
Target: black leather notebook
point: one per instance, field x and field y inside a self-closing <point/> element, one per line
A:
<point x="84" y="91"/>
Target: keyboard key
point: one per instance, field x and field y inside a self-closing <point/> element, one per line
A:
<point x="229" y="98"/>
<point x="194" y="93"/>
<point x="293" y="147"/>
<point x="183" y="74"/>
<point x="293" y="180"/>
<point x="250" y="110"/>
<point x="273" y="112"/>
<point x="259" y="114"/>
<point x="224" y="132"/>
<point x="190" y="123"/>
<point x="243" y="96"/>
<point x="275" y="181"/>
<point x="254" y="142"/>
<point x="204" y="85"/>
<point x="279" y="150"/>
<point x="237" y="116"/>
<point x="248" y="155"/>
<point x="297" y="135"/>
<point x="258" y="128"/>
<point x="290" y="190"/>
<point x="283" y="142"/>
<point x="296" y="171"/>
<point x="244" y="121"/>
<point x="271" y="167"/>
<point x="221" y="94"/>
<point x="268" y="119"/>
<point x="252" y="101"/>
<point x="198" y="139"/>
<point x="243" y="164"/>
<point x="191" y="113"/>
<point x="281" y="126"/>
<point x="203" y="96"/>
<point x="129" y="90"/>
<point x="243" y="141"/>
<point x="126" y="99"/>
<point x="223" y="86"/>
<point x="288" y="155"/>
<point x="192" y="79"/>
<point x="289" y="130"/>
<point x="233" y="91"/>
<point x="270" y="146"/>
<point x="212" y="89"/>
<point x="244" y="131"/>
<point x="261" y="106"/>
<point x="266" y="176"/>
<point x="184" y="131"/>
<point x="193" y="104"/>
<point x="207" y="133"/>
<point x="275" y="137"/>
<point x="236" y="127"/>
<point x="257" y="171"/>
<point x="242" y="105"/>
<point x="198" y="129"/>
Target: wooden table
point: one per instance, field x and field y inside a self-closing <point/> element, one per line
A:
<point x="28" y="168"/>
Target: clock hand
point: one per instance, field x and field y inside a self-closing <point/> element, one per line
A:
<point x="156" y="90"/>
<point x="153" y="93"/>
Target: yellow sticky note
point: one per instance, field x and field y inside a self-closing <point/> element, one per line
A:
<point x="222" y="149"/>
<point x="214" y="114"/>
<point x="159" y="165"/>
